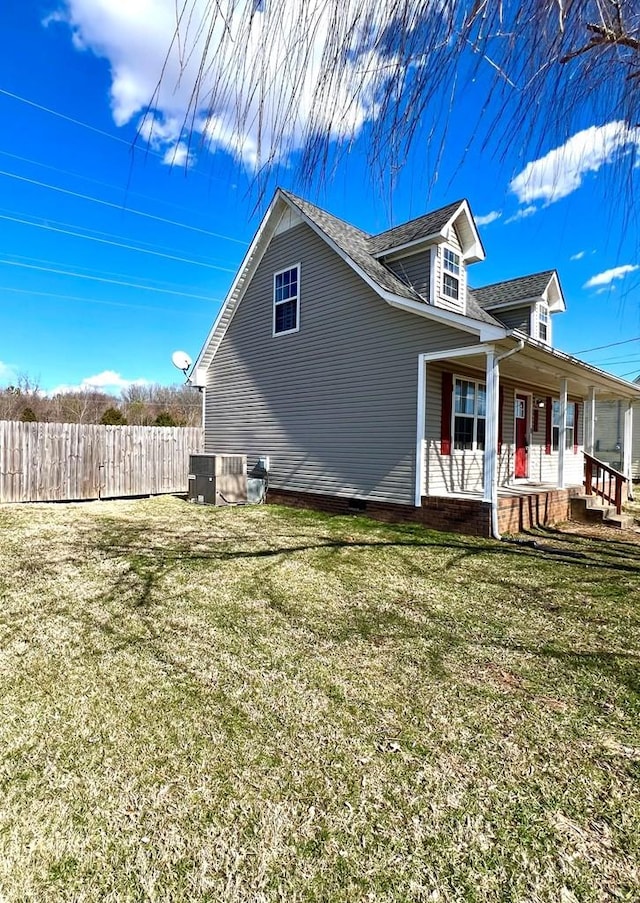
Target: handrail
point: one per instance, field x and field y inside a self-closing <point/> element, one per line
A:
<point x="598" y="479"/>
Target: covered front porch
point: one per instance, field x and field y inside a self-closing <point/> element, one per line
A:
<point x="505" y="436"/>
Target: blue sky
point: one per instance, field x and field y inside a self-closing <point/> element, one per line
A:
<point x="111" y="258"/>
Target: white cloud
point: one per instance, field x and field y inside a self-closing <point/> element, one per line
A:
<point x="609" y="276"/>
<point x="578" y="255"/>
<point x="522" y="214"/>
<point x="139" y="40"/>
<point x="8" y="373"/>
<point x="488" y="218"/>
<point x="107" y="381"/>
<point x="178" y="155"/>
<point x="563" y="169"/>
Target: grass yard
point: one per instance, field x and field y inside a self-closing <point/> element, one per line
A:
<point x="263" y="704"/>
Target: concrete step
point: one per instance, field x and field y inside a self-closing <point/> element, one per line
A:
<point x="619" y="521"/>
<point x="592" y="510"/>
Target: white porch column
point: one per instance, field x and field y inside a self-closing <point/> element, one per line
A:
<point x="562" y="433"/>
<point x="590" y="422"/>
<point x="627" y="446"/>
<point x="421" y="419"/>
<point x="491" y="430"/>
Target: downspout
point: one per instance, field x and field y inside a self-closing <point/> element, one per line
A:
<point x="495" y="532"/>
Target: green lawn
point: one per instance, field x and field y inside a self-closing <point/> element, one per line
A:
<point x="265" y="704"/>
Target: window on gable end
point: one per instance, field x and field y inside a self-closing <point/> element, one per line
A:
<point x="450" y="274"/>
<point x="286" y="301"/>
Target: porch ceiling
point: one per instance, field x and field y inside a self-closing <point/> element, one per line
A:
<point x="542" y="369"/>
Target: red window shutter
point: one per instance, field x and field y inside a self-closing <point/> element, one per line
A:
<point x="576" y="409"/>
<point x="500" y="412"/>
<point x="547" y="433"/>
<point x="445" y="416"/>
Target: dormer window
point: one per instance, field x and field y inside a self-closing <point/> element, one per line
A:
<point x="450" y="274"/>
<point x="543" y="323"/>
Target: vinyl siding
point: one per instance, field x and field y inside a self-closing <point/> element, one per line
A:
<point x="415" y="270"/>
<point x="462" y="471"/>
<point x="334" y="404"/>
<point x="440" y="299"/>
<point x="610" y="432"/>
<point x="518" y="318"/>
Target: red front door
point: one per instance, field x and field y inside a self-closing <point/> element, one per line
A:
<point x="522" y="446"/>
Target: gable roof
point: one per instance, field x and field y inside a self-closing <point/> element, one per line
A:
<point x="353" y="245"/>
<point x="432" y="227"/>
<point x="357" y="244"/>
<point x="524" y="288"/>
<point x="416" y="229"/>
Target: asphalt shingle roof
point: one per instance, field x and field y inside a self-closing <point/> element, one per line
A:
<point x="357" y="245"/>
<point x="521" y="289"/>
<point x="354" y="243"/>
<point x="415" y="229"/>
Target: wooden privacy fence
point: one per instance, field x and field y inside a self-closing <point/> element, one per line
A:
<point x="44" y="462"/>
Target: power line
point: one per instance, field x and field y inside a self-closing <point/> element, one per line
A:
<point x="610" y="345"/>
<point x="92" y="271"/>
<point x="147" y="288"/>
<point x="116" y="244"/>
<point x="77" y="175"/>
<point x="26" y="291"/>
<point x="89" y="231"/>
<point x="120" y="207"/>
<point x="85" y="125"/>
<point x="618" y="360"/>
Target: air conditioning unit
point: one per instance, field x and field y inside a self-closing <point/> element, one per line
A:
<point x="216" y="479"/>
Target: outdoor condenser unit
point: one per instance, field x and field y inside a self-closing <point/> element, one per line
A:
<point x="217" y="479"/>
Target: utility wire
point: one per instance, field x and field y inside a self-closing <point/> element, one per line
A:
<point x="116" y="244"/>
<point x="77" y="175"/>
<point x="89" y="231"/>
<point x="122" y="209"/>
<point x="85" y="125"/>
<point x="91" y="271"/>
<point x="84" y="300"/>
<point x="146" y="288"/>
<point x="610" y="345"/>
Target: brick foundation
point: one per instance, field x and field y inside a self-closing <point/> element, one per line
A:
<point x="539" y="509"/>
<point x="447" y="513"/>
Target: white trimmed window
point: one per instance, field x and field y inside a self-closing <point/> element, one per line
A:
<point x="469" y="414"/>
<point x="450" y="274"/>
<point x="555" y="425"/>
<point x="543" y="322"/>
<point x="286" y="301"/>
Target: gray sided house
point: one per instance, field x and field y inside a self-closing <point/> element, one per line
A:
<point x="609" y="435"/>
<point x="374" y="378"/>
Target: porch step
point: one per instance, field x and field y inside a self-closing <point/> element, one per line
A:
<point x="619" y="521"/>
<point x="591" y="509"/>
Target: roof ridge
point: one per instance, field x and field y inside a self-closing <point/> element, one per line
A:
<point x="479" y="288"/>
<point x="416" y="219"/>
<point x="298" y="200"/>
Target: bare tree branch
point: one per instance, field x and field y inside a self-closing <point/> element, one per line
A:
<point x="274" y="80"/>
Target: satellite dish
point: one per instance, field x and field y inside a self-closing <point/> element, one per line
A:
<point x="181" y="360"/>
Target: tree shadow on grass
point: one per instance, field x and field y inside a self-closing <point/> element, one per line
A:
<point x="130" y="538"/>
<point x="140" y="585"/>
